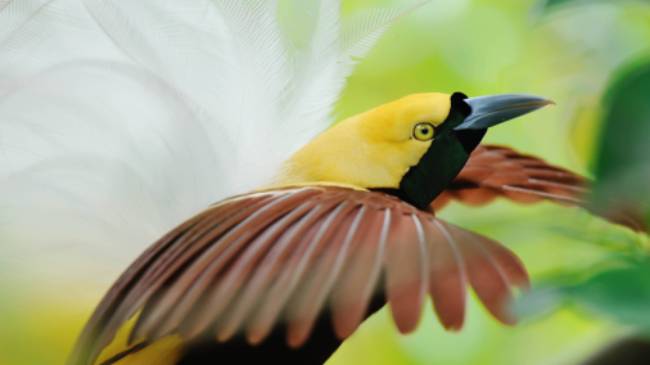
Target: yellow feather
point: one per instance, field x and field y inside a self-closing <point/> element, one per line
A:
<point x="369" y="150"/>
<point x="166" y="351"/>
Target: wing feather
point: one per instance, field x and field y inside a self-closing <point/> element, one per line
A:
<point x="175" y="303"/>
<point x="406" y="271"/>
<point x="269" y="270"/>
<point x="484" y="274"/>
<point x="310" y="299"/>
<point x="510" y="265"/>
<point x="290" y="276"/>
<point x="495" y="171"/>
<point x="351" y="297"/>
<point x="207" y="307"/>
<point x="282" y="258"/>
<point x="447" y="275"/>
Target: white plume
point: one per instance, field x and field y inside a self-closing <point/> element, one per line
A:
<point x="120" y="119"/>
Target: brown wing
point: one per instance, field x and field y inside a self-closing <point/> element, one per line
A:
<point x="250" y="263"/>
<point x="495" y="171"/>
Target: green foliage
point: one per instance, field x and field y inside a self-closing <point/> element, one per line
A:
<point x="622" y="170"/>
<point x="551" y="4"/>
<point x="623" y="163"/>
<point x="622" y="294"/>
<point x="623" y="181"/>
<point x="548" y="5"/>
<point x="619" y="287"/>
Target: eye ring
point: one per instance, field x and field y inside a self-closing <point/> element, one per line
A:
<point x="424" y="131"/>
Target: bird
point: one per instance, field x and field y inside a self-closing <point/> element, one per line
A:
<point x="347" y="226"/>
<point x="149" y="111"/>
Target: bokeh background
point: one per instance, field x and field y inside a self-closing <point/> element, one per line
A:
<point x="569" y="51"/>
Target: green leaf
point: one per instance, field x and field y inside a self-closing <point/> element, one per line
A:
<point x="622" y="168"/>
<point x="550" y="5"/>
<point x="622" y="294"/>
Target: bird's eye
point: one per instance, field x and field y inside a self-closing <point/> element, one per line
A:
<point x="423" y="131"/>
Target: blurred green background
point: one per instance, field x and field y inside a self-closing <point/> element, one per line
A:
<point x="568" y="52"/>
<point x="590" y="287"/>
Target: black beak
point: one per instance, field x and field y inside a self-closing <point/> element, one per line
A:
<point x="491" y="110"/>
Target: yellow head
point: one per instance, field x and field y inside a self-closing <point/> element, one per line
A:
<point x="373" y="149"/>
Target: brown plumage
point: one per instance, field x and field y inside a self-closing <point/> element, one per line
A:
<point x="498" y="171"/>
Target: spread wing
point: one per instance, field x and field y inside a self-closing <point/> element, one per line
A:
<point x="496" y="171"/>
<point x="249" y="264"/>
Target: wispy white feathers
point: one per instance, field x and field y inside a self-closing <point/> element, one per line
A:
<point x="91" y="172"/>
<point x="119" y="119"/>
<point x="226" y="58"/>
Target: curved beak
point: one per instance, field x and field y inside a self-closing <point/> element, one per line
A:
<point x="491" y="110"/>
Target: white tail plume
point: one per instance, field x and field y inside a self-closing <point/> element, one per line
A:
<point x="119" y="119"/>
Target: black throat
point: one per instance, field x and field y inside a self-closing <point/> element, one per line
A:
<point x="441" y="163"/>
